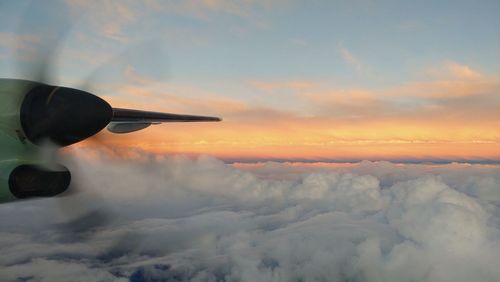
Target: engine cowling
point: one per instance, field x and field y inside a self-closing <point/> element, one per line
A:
<point x="31" y="181"/>
<point x="62" y="115"/>
<point x="35" y="115"/>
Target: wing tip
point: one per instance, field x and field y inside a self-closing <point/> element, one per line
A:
<point x="208" y="118"/>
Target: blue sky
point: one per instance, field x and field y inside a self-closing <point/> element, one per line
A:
<point x="389" y="41"/>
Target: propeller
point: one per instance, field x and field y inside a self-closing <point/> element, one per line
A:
<point x="69" y="116"/>
<point x="35" y="62"/>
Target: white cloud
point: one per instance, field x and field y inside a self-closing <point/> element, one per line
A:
<point x="453" y="70"/>
<point x="203" y="220"/>
<point x="351" y="59"/>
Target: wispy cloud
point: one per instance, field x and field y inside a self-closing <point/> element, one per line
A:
<point x="352" y="60"/>
<point x="454" y="70"/>
<point x="207" y="10"/>
<point x="295" y="85"/>
<point x="109" y="19"/>
<point x="113" y="18"/>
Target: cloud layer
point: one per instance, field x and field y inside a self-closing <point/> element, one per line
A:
<point x="180" y="219"/>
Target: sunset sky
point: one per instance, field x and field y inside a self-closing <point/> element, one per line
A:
<point x="360" y="141"/>
<point x="334" y="81"/>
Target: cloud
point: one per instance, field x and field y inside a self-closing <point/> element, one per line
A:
<point x="462" y="71"/>
<point x="110" y="19"/>
<point x="202" y="220"/>
<point x="296" y="85"/>
<point x="208" y="9"/>
<point x="351" y="59"/>
<point x="454" y="70"/>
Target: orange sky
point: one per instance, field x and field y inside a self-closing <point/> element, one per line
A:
<point x="450" y="116"/>
<point x="292" y="81"/>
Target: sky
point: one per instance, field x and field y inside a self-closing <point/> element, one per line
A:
<point x="359" y="141"/>
<point x="334" y="81"/>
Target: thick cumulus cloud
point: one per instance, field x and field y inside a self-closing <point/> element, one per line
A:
<point x="180" y="219"/>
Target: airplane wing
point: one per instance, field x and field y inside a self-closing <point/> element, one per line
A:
<point x="127" y="120"/>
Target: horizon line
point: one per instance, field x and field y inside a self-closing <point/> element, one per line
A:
<point x="357" y="161"/>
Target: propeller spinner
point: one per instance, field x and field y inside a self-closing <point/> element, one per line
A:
<point x="63" y="115"/>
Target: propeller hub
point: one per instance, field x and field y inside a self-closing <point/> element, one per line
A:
<point x="62" y="115"/>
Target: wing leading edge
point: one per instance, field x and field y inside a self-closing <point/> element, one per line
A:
<point x="127" y="120"/>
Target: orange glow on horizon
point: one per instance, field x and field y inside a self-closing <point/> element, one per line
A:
<point x="453" y="118"/>
<point x="314" y="141"/>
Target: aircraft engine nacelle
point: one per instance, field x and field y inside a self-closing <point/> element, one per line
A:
<point x="33" y="115"/>
<point x="41" y="113"/>
<point x="62" y="115"/>
<point x="35" y="118"/>
<point x="26" y="181"/>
